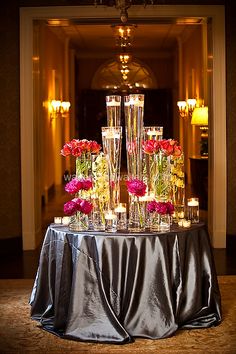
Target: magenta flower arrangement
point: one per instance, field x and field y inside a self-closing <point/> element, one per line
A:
<point x="75" y="185"/>
<point x="161" y="208"/>
<point x="77" y="205"/>
<point x="136" y="187"/>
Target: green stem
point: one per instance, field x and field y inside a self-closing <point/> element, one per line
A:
<point x="140" y="215"/>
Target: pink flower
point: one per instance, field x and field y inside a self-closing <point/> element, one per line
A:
<point x="85" y="206"/>
<point x="78" y="147"/>
<point x="151" y="206"/>
<point x="66" y="150"/>
<point x="86" y="184"/>
<point x="151" y="147"/>
<point x="177" y="150"/>
<point x="160" y="207"/>
<point x="164" y="208"/>
<point x="70" y="208"/>
<point x="74" y="186"/>
<point x="136" y="187"/>
<point x="75" y="148"/>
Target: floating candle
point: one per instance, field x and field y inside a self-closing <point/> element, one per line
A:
<point x="193" y="202"/>
<point x="120" y="209"/>
<point x="110" y="216"/>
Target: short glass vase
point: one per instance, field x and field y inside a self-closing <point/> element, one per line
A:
<point x="79" y="222"/>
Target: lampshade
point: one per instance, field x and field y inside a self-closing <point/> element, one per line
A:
<point x="200" y="116"/>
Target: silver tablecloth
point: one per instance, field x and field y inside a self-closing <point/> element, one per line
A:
<point x="105" y="287"/>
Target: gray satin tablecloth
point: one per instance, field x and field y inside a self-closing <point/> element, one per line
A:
<point x="97" y="286"/>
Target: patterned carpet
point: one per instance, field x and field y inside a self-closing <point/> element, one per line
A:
<point x="19" y="334"/>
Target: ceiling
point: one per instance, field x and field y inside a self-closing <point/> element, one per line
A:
<point x="150" y="40"/>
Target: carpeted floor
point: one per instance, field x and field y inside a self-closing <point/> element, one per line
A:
<point x="19" y="334"/>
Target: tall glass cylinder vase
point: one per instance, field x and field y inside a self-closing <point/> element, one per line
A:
<point x="113" y="105"/>
<point x="100" y="192"/>
<point x="161" y="177"/>
<point x="84" y="171"/>
<point x="83" y="167"/>
<point x="150" y="133"/>
<point x="111" y="140"/>
<point x="134" y="107"/>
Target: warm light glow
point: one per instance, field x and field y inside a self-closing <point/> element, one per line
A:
<point x="182" y="105"/>
<point x="191" y="102"/>
<point x="186" y="107"/>
<point x="200" y="116"/>
<point x="58" y="108"/>
<point x="124" y="35"/>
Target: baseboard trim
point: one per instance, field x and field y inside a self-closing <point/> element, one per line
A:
<point x="231" y="244"/>
<point x="11" y="246"/>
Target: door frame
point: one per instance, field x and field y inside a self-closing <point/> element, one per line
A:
<point x="31" y="203"/>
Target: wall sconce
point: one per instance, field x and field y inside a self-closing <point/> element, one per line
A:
<point x="186" y="108"/>
<point x="200" y="118"/>
<point x="58" y="108"/>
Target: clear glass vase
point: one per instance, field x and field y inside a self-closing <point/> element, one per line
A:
<point x="134" y="105"/>
<point x="164" y="222"/>
<point x="150" y="133"/>
<point x="113" y="106"/>
<point x="111" y="140"/>
<point x="160" y="176"/>
<point x="178" y="186"/>
<point x="136" y="214"/>
<point x="79" y="222"/>
<point x="100" y="192"/>
<point x="154" y="222"/>
<point x="84" y="166"/>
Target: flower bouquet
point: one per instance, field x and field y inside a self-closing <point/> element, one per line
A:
<point x="158" y="172"/>
<point x="160" y="215"/>
<point x="136" y="188"/>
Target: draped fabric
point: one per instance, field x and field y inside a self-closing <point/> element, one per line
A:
<point x="96" y="286"/>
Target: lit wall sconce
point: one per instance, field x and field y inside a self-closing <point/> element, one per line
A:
<point x="186" y="108"/>
<point x="200" y="118"/>
<point x="58" y="108"/>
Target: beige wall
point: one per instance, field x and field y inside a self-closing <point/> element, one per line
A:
<point x="54" y="130"/>
<point x="193" y="87"/>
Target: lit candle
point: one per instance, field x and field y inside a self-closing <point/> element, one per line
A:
<point x="186" y="223"/>
<point x="193" y="203"/>
<point x="146" y="198"/>
<point x="110" y="216"/>
<point x="65" y="220"/>
<point x="113" y="103"/>
<point x="57" y="220"/>
<point x="153" y="132"/>
<point x="120" y="209"/>
<point x="181" y="214"/>
<point x="180" y="223"/>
